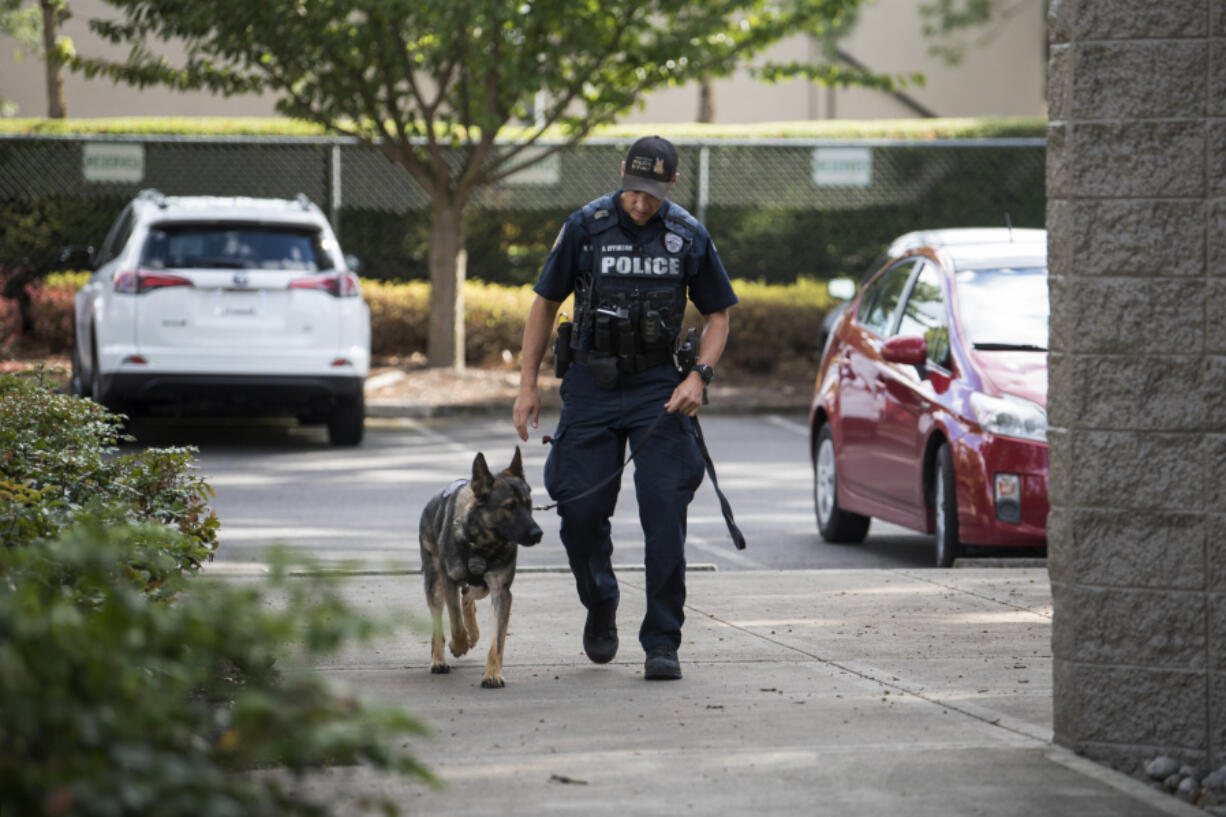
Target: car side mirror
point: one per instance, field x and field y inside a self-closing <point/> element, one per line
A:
<point x="76" y="257"/>
<point x="911" y="350"/>
<point x="841" y="289"/>
<point x="354" y="263"/>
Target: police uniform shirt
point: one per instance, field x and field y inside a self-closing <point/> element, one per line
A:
<point x="703" y="272"/>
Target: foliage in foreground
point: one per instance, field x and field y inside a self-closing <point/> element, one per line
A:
<point x="61" y="462"/>
<point x="128" y="684"/>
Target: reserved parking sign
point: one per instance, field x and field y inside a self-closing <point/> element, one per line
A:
<point x="842" y="167"/>
<point x="112" y="162"/>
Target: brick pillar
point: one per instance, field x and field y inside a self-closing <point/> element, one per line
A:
<point x="1136" y="218"/>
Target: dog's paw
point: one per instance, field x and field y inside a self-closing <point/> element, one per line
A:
<point x="493" y="682"/>
<point x="459" y="645"/>
<point x="439" y="669"/>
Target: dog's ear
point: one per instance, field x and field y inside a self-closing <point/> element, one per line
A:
<point x="516" y="468"/>
<point x="483" y="481"/>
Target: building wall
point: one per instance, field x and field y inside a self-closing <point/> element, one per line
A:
<point x="1136" y="185"/>
<point x="24" y="82"/>
<point x="1002" y="78"/>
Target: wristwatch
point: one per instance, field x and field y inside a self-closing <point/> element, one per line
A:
<point x="705" y="372"/>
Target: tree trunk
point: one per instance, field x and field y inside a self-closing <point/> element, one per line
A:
<point x="448" y="267"/>
<point x="56" y="107"/>
<point x="706" y="100"/>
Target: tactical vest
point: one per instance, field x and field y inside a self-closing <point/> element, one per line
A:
<point x="631" y="296"/>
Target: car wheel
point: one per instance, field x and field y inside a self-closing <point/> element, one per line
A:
<point x="945" y="508"/>
<point x="100" y="395"/>
<point x="834" y="523"/>
<point x="95" y="382"/>
<point x="347" y="423"/>
<point x="77" y="383"/>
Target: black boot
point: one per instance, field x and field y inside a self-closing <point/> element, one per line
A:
<point x="662" y="665"/>
<point x="600" y="633"/>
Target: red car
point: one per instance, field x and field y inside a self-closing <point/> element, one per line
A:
<point x="930" y="407"/>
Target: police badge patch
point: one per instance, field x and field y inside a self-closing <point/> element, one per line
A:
<point x="673" y="242"/>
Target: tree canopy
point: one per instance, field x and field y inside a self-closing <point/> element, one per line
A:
<point x="24" y="25"/>
<point x="952" y="26"/>
<point x="434" y="84"/>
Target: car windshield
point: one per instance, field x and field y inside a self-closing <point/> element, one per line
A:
<point x="234" y="247"/>
<point x="1003" y="309"/>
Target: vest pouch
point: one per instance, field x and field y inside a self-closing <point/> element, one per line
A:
<point x="603" y="369"/>
<point x="602" y="338"/>
<point x="663" y="311"/>
<point x="563" y="354"/>
<point x="625" y="337"/>
<point x="651" y="330"/>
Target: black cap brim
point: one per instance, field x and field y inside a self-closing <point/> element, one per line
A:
<point x="650" y="186"/>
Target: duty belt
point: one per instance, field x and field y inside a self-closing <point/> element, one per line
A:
<point x="631" y="364"/>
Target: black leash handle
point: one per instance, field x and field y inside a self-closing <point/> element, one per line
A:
<point x="738" y="538"/>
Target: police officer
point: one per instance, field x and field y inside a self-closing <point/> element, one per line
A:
<point x="632" y="259"/>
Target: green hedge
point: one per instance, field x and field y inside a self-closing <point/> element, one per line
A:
<point x="128" y="684"/>
<point x="946" y="128"/>
<point x="773" y="326"/>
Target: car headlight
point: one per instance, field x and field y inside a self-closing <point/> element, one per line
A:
<point x="1010" y="416"/>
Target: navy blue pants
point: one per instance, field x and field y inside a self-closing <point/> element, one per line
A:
<point x="590" y="444"/>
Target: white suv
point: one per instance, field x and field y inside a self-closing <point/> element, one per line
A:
<point x="228" y="305"/>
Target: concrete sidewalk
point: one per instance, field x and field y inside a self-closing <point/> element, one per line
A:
<point x="924" y="692"/>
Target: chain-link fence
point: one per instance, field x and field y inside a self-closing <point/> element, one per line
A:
<point x="778" y="208"/>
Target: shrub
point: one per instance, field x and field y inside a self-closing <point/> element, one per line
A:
<point x="10" y="324"/>
<point x="772" y="324"/>
<point x="776" y="325"/>
<point x="51" y="315"/>
<point x="117" y="704"/>
<point x="128" y="684"/>
<point x="399" y="316"/>
<point x="495" y="317"/>
<point x="74" y="280"/>
<point x="60" y="459"/>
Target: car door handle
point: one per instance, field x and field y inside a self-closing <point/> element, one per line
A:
<point x="846" y="372"/>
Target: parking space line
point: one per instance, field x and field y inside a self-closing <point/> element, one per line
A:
<point x="787" y="425"/>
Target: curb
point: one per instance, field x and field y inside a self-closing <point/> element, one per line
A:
<point x="382" y="409"/>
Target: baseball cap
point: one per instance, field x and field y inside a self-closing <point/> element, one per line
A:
<point x="650" y="166"/>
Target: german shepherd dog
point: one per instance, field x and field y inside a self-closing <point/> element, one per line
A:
<point x="470" y="534"/>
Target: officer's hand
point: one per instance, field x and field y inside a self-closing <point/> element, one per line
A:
<point x="527" y="409"/>
<point x="687" y="397"/>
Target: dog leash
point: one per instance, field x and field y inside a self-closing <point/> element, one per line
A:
<point x="634" y="450"/>
<point x="725" y="507"/>
<point x="738" y="538"/>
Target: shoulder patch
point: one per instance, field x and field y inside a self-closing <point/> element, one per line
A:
<point x="599" y="214"/>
